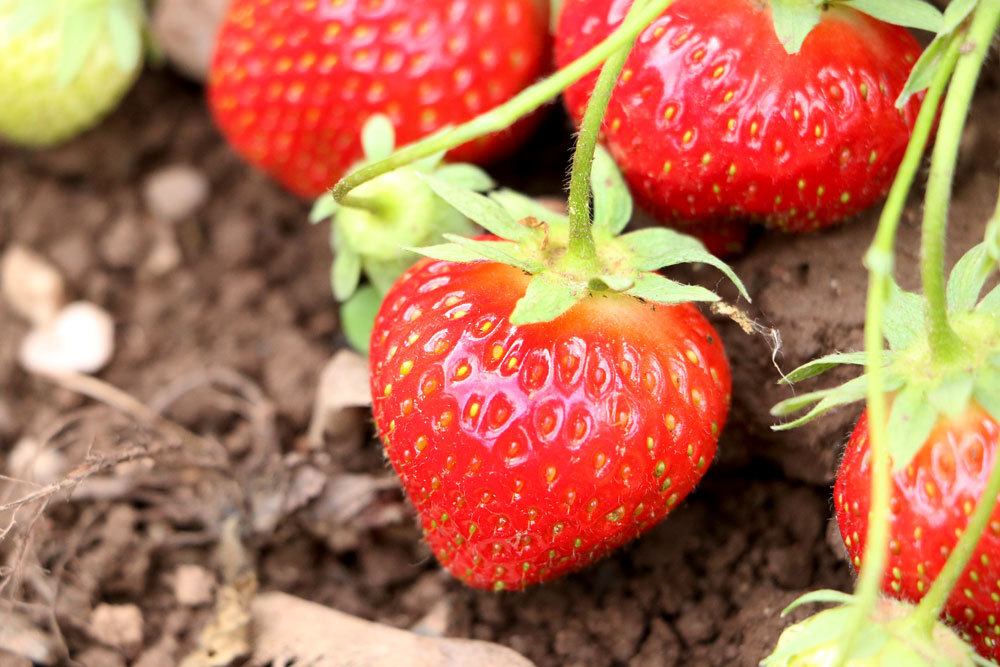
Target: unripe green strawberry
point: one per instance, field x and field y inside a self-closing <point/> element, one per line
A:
<point x="64" y="64"/>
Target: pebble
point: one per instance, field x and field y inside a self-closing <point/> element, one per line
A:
<point x="32" y="286"/>
<point x="122" y="246"/>
<point x="30" y="461"/>
<point x="80" y="339"/>
<point x="117" y="625"/>
<point x="194" y="586"/>
<point x="175" y="192"/>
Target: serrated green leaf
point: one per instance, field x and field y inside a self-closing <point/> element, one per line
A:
<point x="467" y="176"/>
<point x="504" y="252"/>
<point x="357" y="317"/>
<point x="521" y="207"/>
<point x="378" y="137"/>
<point x="952" y="395"/>
<point x="911" y="419"/>
<point x="29" y="13"/>
<point x="483" y="211"/>
<point x="822" y="365"/>
<point x="904" y="319"/>
<point x="967" y="279"/>
<point x="907" y="13"/>
<point x="345" y="273"/>
<point x="125" y="34"/>
<point x="794" y="20"/>
<point x="825" y="400"/>
<point x="81" y="29"/>
<point x="449" y="252"/>
<point x="654" y="287"/>
<point x="987" y="392"/>
<point x="612" y="200"/>
<point x="324" y="208"/>
<point x="824" y="596"/>
<point x="658" y="247"/>
<point x="545" y="299"/>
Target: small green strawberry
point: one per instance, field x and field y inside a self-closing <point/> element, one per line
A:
<point x="64" y="64"/>
<point x="394" y="212"/>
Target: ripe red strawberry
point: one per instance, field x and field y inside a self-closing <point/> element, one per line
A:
<point x="531" y="450"/>
<point x="932" y="500"/>
<point x="712" y="120"/>
<point x="293" y="81"/>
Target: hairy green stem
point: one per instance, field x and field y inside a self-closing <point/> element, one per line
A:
<point x="880" y="268"/>
<point x="581" y="250"/>
<point x="501" y="117"/>
<point x="944" y="342"/>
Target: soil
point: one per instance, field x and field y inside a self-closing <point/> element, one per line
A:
<point x="224" y="322"/>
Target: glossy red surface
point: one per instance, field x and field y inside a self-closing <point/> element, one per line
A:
<point x="293" y="81"/>
<point x="931" y="503"/>
<point x="530" y="451"/>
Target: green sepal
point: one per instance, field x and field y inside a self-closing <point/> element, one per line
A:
<point x="612" y="200"/>
<point x="464" y="175"/>
<point x="819" y="366"/>
<point x="324" y="208"/>
<point x="987" y="392"/>
<point x="907" y="13"/>
<point x="822" y="401"/>
<point x="378" y="137"/>
<point x="656" y="288"/>
<point x="911" y="419"/>
<point x="926" y="66"/>
<point x="615" y="283"/>
<point x="345" y="274"/>
<point x="545" y="299"/>
<point x="658" y="247"/>
<point x="504" y="252"/>
<point x="482" y="210"/>
<point x="450" y="252"/>
<point x="794" y="20"/>
<point x="967" y="279"/>
<point x="990" y="302"/>
<point x="521" y="207"/>
<point x="904" y="319"/>
<point x="357" y="317"/>
<point x="824" y="596"/>
<point x="384" y="272"/>
<point x="822" y="628"/>
<point x="951" y="396"/>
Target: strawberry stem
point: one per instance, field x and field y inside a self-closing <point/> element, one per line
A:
<point x="945" y="343"/>
<point x="879" y="261"/>
<point x="581" y="252"/>
<point x="501" y="117"/>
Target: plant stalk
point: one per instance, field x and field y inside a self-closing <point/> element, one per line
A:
<point x="944" y="342"/>
<point x="879" y="261"/>
<point x="501" y="117"/>
<point x="581" y="250"/>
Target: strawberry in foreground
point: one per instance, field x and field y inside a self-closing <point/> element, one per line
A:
<point x="542" y="410"/>
<point x="716" y="125"/>
<point x="293" y="82"/>
<point x="64" y="64"/>
<point x="943" y="437"/>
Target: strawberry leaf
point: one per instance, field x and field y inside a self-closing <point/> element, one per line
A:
<point x="822" y="365"/>
<point x="346" y="273"/>
<point x="481" y="210"/>
<point x="990" y="302"/>
<point x="825" y="400"/>
<point x="467" y="176"/>
<point x="904" y="319"/>
<point x="522" y="207"/>
<point x="967" y="279"/>
<point x="81" y="30"/>
<point x="825" y="596"/>
<point x="910" y="422"/>
<point x="378" y="137"/>
<point x="823" y="628"/>
<point x="357" y="317"/>
<point x="907" y="13"/>
<point x="616" y="283"/>
<point x="658" y="247"/>
<point x="451" y="252"/>
<point x="545" y="299"/>
<point x="612" y="200"/>
<point x="503" y="252"/>
<point x="125" y="34"/>
<point x="654" y="287"/>
<point x="793" y="21"/>
<point x="926" y="66"/>
<point x="951" y="395"/>
<point x="324" y="208"/>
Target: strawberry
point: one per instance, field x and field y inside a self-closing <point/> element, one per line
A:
<point x="539" y="417"/>
<point x="293" y="81"/>
<point x="64" y="64"/>
<point x="714" y="122"/>
<point x="932" y="499"/>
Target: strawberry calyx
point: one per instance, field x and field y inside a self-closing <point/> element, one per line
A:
<point x="924" y="389"/>
<point x="886" y="640"/>
<point x="369" y="231"/>
<point x="532" y="238"/>
<point x="83" y="25"/>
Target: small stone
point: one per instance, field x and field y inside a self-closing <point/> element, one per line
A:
<point x="165" y="255"/>
<point x="117" y="625"/>
<point x="194" y="586"/>
<point x="31" y="285"/>
<point x="122" y="246"/>
<point x="173" y="193"/>
<point x="80" y="339"/>
<point x="98" y="656"/>
<point x="31" y="462"/>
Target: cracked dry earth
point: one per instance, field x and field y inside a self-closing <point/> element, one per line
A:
<point x="244" y="287"/>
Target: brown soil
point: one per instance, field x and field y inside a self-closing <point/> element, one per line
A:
<point x="232" y="340"/>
